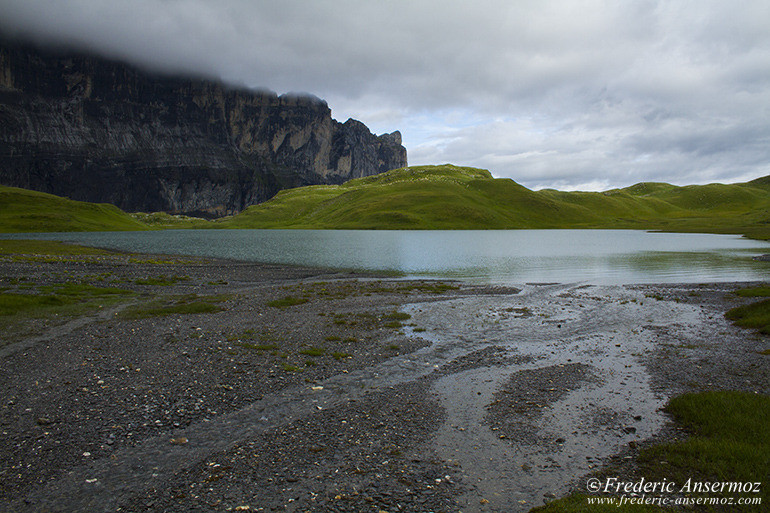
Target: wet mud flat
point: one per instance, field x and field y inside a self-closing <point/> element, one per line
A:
<point x="316" y="390"/>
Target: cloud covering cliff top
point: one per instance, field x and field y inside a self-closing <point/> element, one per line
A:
<point x="565" y="94"/>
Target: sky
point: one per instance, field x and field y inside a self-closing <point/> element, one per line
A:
<point x="573" y="95"/>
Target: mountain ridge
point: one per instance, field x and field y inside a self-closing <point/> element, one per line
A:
<point x="99" y="130"/>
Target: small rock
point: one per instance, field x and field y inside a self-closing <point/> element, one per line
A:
<point x="629" y="429"/>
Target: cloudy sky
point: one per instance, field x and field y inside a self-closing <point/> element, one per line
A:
<point x="567" y="94"/>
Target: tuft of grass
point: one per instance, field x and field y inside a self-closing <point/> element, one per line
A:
<point x="176" y="305"/>
<point x="338" y="355"/>
<point x="287" y="301"/>
<point x="290" y="368"/>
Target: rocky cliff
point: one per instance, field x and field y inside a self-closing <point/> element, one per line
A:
<point x="96" y="130"/>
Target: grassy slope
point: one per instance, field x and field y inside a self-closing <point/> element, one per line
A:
<point x="29" y="211"/>
<point x="433" y="197"/>
<point x="449" y="197"/>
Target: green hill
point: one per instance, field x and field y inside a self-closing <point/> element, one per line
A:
<point x="29" y="211"/>
<point x="435" y="198"/>
<point x="450" y="197"/>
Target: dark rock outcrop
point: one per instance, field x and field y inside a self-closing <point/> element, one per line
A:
<point x="92" y="129"/>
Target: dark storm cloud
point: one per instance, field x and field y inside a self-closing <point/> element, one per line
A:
<point x="588" y="94"/>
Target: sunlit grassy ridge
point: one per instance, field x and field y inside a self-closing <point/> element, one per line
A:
<point x="433" y="197"/>
<point x="29" y="211"/>
<point x="450" y="197"/>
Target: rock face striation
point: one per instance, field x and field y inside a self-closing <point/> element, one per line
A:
<point x="97" y="130"/>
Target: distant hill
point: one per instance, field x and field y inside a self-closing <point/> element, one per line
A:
<point x="29" y="211"/>
<point x="450" y="197"/>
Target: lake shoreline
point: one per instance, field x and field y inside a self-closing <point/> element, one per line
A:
<point x="327" y="390"/>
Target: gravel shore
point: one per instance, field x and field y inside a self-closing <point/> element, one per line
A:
<point x="318" y="390"/>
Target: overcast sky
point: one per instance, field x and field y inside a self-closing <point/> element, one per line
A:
<point x="566" y="94"/>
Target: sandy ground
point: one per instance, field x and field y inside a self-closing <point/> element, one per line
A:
<point x="483" y="399"/>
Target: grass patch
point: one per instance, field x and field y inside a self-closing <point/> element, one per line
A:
<point x="755" y="315"/>
<point x="766" y="352"/>
<point x="290" y="368"/>
<point x="18" y="307"/>
<point x="176" y="305"/>
<point x="338" y="355"/>
<point x="754" y="292"/>
<point x="332" y="338"/>
<point x="397" y="316"/>
<point x="430" y="288"/>
<point x="730" y="442"/>
<point x="55" y="299"/>
<point x="287" y="302"/>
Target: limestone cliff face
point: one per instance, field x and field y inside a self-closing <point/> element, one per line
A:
<point x="97" y="130"/>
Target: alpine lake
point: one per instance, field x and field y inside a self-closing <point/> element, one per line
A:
<point x="604" y="257"/>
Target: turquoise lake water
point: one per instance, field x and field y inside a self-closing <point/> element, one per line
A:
<point x="484" y="256"/>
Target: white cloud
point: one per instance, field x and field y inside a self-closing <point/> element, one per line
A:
<point x="551" y="93"/>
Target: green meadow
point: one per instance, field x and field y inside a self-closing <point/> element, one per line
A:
<point x="29" y="211"/>
<point x="433" y="198"/>
<point x="450" y="197"/>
